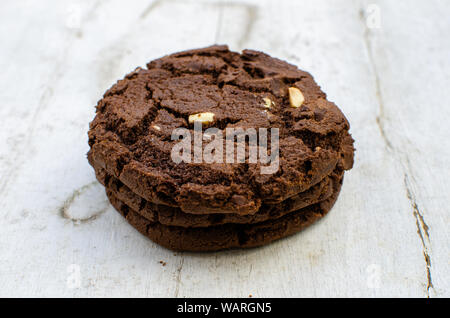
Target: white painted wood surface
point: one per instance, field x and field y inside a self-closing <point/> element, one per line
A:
<point x="388" y="234"/>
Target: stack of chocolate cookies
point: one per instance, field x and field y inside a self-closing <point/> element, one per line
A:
<point x="199" y="205"/>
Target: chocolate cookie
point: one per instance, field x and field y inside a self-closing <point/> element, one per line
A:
<point x="173" y="216"/>
<point x="130" y="137"/>
<point x="226" y="236"/>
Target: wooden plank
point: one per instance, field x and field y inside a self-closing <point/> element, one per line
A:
<point x="60" y="237"/>
<point x="408" y="56"/>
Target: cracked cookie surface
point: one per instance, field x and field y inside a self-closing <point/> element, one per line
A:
<point x="130" y="137"/>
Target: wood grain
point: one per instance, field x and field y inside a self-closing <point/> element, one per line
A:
<point x="388" y="233"/>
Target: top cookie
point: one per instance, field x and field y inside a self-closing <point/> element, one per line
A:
<point x="130" y="136"/>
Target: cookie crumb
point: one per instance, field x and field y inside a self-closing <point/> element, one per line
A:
<point x="250" y="296"/>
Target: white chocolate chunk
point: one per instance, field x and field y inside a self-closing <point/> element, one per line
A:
<point x="296" y="97"/>
<point x="268" y="103"/>
<point x="205" y="118"/>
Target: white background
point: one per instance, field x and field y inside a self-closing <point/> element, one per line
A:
<point x="388" y="234"/>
